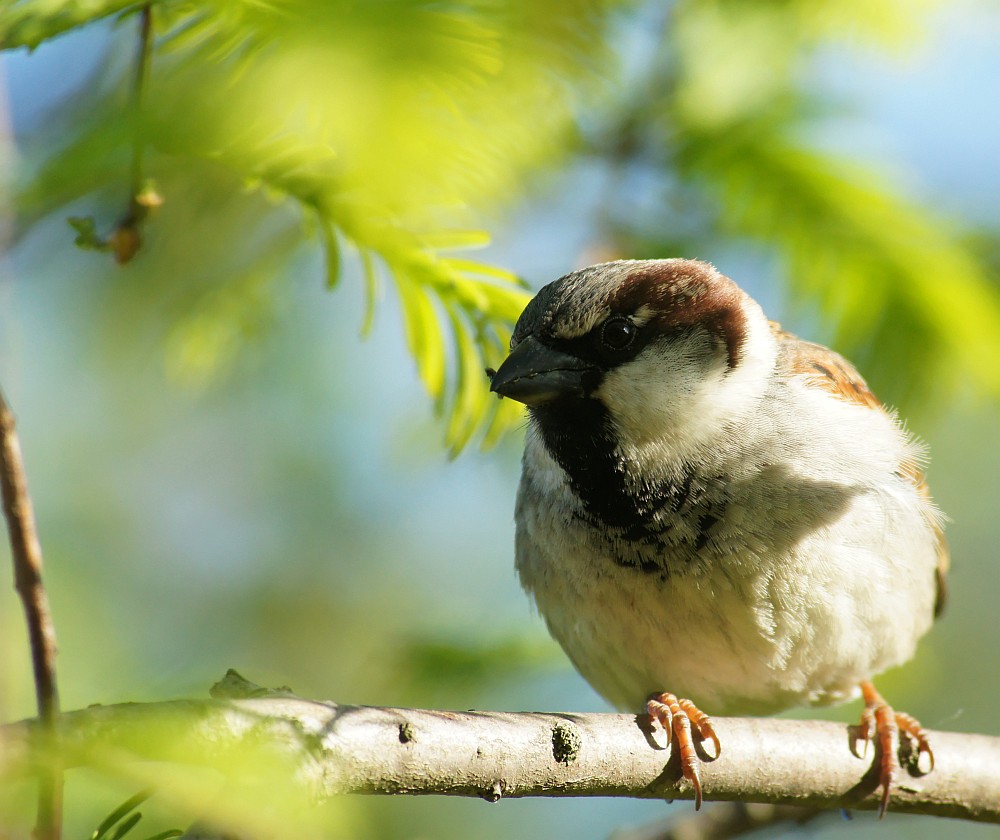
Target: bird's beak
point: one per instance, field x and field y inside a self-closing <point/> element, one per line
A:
<point x="534" y="373"/>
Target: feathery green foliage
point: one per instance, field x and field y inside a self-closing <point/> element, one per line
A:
<point x="387" y="137"/>
<point x="887" y="273"/>
<point x="894" y="279"/>
<point x="387" y="127"/>
<point x="377" y="123"/>
<point x="27" y="23"/>
<point x="723" y="114"/>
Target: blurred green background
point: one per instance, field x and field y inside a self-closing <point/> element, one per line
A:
<point x="226" y="474"/>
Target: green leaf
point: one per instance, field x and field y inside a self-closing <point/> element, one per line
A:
<point x="126" y="826"/>
<point x="373" y="292"/>
<point x="87" y="237"/>
<point x="331" y="252"/>
<point x="497" y="273"/>
<point x="507" y="415"/>
<point x="26" y="23"/>
<point x="455" y="240"/>
<point x="116" y="815"/>
<point x="423" y="334"/>
<point x="470" y="404"/>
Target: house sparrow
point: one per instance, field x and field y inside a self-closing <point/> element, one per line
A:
<point x="713" y="506"/>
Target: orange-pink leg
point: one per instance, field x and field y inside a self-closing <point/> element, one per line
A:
<point x="880" y="720"/>
<point x="677" y="717"/>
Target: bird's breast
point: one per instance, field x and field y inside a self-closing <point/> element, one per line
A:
<point x="750" y="594"/>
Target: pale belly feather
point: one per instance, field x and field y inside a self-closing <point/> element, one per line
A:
<point x="742" y="634"/>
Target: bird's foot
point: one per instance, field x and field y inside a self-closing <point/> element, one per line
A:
<point x="881" y="721"/>
<point x="678" y="717"/>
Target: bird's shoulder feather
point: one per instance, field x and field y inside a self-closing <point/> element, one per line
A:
<point x="826" y="369"/>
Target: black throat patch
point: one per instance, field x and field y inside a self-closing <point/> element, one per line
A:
<point x="654" y="526"/>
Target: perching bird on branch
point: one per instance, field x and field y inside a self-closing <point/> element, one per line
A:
<point x="714" y="514"/>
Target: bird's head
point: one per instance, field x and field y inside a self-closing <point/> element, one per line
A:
<point x="661" y="352"/>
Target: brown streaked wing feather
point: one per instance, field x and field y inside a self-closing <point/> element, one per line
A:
<point x="830" y="371"/>
<point x="823" y="368"/>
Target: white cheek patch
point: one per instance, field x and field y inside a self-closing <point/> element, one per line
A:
<point x="675" y="399"/>
<point x="655" y="393"/>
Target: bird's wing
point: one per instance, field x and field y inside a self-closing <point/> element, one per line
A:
<point x="830" y="371"/>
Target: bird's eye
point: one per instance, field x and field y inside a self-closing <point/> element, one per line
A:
<point x="618" y="333"/>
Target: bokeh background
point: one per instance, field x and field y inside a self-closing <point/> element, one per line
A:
<point x="227" y="474"/>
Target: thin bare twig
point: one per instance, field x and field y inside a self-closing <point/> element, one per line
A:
<point x="26" y="553"/>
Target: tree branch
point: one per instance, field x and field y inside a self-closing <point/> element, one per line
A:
<point x="26" y="552"/>
<point x="357" y="749"/>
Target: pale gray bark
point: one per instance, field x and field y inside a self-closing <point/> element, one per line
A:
<point x="339" y="749"/>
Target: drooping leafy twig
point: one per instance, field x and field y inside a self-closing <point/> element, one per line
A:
<point x="125" y="239"/>
<point x="26" y="553"/>
<point x="389" y="172"/>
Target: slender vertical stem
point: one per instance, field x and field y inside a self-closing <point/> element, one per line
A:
<point x="142" y="62"/>
<point x="26" y="553"/>
<point x="126" y="238"/>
